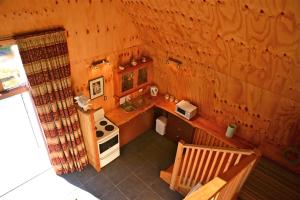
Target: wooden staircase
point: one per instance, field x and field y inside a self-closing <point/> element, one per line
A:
<point x="166" y="175"/>
<point x="221" y="170"/>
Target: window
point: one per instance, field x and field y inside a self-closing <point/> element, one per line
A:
<point x="12" y="73"/>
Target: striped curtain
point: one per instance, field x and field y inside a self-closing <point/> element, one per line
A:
<point x="46" y="62"/>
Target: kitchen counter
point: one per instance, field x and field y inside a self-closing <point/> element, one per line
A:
<point x="120" y="117"/>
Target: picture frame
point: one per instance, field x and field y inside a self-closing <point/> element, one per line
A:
<point x="96" y="87"/>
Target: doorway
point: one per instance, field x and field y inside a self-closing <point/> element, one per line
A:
<point x="23" y="151"/>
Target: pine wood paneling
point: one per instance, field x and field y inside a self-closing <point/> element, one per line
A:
<point x="241" y="60"/>
<point x="95" y="30"/>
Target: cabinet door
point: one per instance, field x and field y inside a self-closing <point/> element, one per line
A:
<point x="142" y="76"/>
<point x="177" y="129"/>
<point x="127" y="81"/>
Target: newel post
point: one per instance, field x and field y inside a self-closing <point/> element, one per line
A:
<point x="176" y="165"/>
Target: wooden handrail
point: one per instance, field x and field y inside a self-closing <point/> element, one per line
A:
<point x="234" y="170"/>
<point x="207" y="191"/>
<point x="221" y="149"/>
<point x="176" y="165"/>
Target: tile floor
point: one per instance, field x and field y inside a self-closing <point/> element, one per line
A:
<point x="135" y="174"/>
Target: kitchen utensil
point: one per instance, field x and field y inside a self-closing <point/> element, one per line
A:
<point x="172" y="98"/>
<point x="230" y="130"/>
<point x="133" y="62"/>
<point x="153" y="90"/>
<point x="167" y="96"/>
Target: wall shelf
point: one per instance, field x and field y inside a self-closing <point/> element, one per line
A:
<point x="132" y="78"/>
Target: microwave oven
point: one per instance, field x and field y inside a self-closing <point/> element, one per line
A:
<point x="186" y="109"/>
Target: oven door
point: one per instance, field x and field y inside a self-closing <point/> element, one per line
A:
<point x="107" y="146"/>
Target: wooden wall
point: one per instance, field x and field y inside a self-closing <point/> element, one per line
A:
<point x="241" y="60"/>
<point x="96" y="29"/>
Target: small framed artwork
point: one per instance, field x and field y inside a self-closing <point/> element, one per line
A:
<point x="96" y="87"/>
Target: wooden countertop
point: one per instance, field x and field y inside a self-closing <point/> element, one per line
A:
<point x="120" y="117"/>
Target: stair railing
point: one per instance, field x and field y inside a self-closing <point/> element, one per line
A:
<point x="196" y="163"/>
<point x="227" y="185"/>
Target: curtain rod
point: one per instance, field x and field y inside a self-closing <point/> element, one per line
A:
<point x="6" y="37"/>
<point x="7" y="40"/>
<point x="29" y="33"/>
<point x="37" y="32"/>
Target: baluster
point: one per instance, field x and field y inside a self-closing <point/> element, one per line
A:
<point x="228" y="162"/>
<point x="206" y="165"/>
<point x="200" y="166"/>
<point x="220" y="164"/>
<point x="194" y="167"/>
<point x="188" y="167"/>
<point x="238" y="159"/>
<point x="212" y="166"/>
<point x="183" y="165"/>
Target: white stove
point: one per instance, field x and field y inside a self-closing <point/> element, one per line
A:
<point x="107" y="138"/>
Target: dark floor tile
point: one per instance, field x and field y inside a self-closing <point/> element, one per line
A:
<point x="148" y="194"/>
<point x="148" y="173"/>
<point x="132" y="187"/>
<point x="164" y="160"/>
<point x="163" y="190"/>
<point x="148" y="135"/>
<point x="72" y="179"/>
<point x="158" y="158"/>
<point x="115" y="194"/>
<point x="99" y="186"/>
<point x="166" y="145"/>
<point x="87" y="173"/>
<point x="149" y="150"/>
<point x="132" y="147"/>
<point x="132" y="161"/>
<point x="116" y="171"/>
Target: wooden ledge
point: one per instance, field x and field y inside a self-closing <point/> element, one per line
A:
<point x="12" y="92"/>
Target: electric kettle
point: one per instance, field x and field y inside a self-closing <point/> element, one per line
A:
<point x="153" y="90"/>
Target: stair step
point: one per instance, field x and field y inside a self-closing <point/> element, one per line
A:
<point x="167" y="174"/>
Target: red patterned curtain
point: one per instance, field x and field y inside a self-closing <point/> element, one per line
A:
<point x="46" y="62"/>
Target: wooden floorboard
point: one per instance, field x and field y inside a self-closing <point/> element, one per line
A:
<point x="269" y="181"/>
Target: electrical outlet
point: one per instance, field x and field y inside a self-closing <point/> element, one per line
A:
<point x="122" y="100"/>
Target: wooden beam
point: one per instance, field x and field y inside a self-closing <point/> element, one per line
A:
<point x="176" y="165"/>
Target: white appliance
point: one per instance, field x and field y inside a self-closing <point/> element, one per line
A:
<point x="107" y="138"/>
<point x="153" y="91"/>
<point x="83" y="102"/>
<point x="186" y="109"/>
<point x="161" y="124"/>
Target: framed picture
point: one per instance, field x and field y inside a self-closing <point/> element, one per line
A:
<point x="96" y="87"/>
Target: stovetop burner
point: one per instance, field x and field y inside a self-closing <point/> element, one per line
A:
<point x="109" y="127"/>
<point x="103" y="123"/>
<point x="99" y="133"/>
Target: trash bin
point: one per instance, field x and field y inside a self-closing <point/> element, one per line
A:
<point x="161" y="124"/>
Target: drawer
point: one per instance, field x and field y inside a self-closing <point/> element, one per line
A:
<point x="177" y="129"/>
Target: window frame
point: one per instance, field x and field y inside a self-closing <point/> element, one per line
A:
<point x="14" y="91"/>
